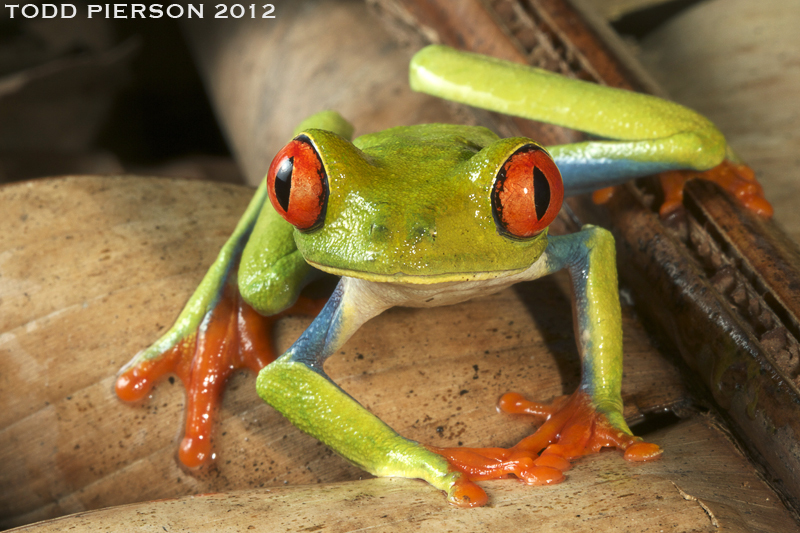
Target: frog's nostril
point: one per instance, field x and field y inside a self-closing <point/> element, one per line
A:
<point x="378" y="231"/>
<point x="422" y="231"/>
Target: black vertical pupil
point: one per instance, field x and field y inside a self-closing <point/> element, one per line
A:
<point x="541" y="192"/>
<point x="283" y="182"/>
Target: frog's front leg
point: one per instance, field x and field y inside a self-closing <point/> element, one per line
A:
<point x="591" y="418"/>
<point x="226" y="324"/>
<point x="202" y="347"/>
<point x="297" y="386"/>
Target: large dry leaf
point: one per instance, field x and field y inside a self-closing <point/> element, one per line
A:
<point x="93" y="269"/>
<point x="701" y="484"/>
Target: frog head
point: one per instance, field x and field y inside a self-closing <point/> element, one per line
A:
<point x="417" y="204"/>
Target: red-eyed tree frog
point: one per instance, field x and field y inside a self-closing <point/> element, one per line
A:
<point x="424" y="216"/>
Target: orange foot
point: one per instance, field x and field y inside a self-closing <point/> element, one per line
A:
<point x="235" y="336"/>
<point x="738" y="179"/>
<point x="572" y="428"/>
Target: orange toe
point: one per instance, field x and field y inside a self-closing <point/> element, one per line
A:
<point x="642" y="451"/>
<point x="553" y="461"/>
<point x="466" y="494"/>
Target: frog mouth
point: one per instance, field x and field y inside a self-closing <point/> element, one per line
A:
<point x="416" y="279"/>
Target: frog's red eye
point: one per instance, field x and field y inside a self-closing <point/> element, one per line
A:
<point x="298" y="185"/>
<point x="527" y="193"/>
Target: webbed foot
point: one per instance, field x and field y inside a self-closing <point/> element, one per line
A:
<point x="737" y="179"/>
<point x="231" y="337"/>
<point x="573" y="427"/>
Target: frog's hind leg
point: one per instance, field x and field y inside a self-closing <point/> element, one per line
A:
<point x="638" y="134"/>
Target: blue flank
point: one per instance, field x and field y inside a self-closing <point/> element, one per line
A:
<point x="584" y="176"/>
